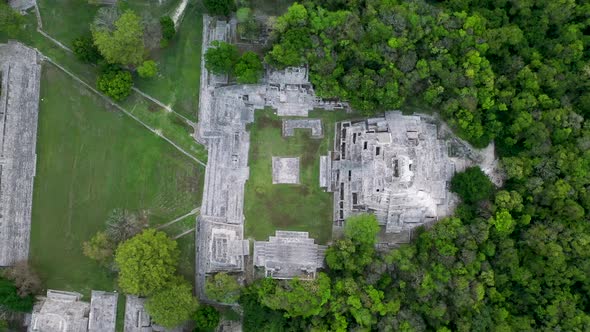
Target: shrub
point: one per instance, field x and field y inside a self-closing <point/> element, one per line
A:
<point x="220" y="7"/>
<point x="221" y="58"/>
<point x="168" y="30"/>
<point x="85" y="50"/>
<point x="172" y="305"/>
<point x="206" y="318"/>
<point x="115" y="83"/>
<point x="223" y="288"/>
<point x="472" y="185"/>
<point x="10" y="299"/>
<point x="249" y="68"/>
<point x="148" y="69"/>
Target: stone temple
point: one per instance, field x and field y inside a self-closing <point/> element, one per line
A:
<point x="20" y="72"/>
<point x="396" y="167"/>
<point x="63" y="311"/>
<point x="288" y="255"/>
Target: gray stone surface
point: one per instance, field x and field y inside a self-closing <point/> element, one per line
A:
<point x="138" y="320"/>
<point x="20" y="72"/>
<point x="103" y="311"/>
<point x="288" y="255"/>
<point x="314" y="125"/>
<point x="285" y="170"/>
<point x="396" y="167"/>
<point x="21" y="5"/>
<point x="62" y="311"/>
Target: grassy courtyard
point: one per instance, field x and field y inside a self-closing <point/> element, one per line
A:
<point x="303" y="207"/>
<point x="92" y="159"/>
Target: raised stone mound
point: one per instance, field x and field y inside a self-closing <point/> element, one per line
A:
<point x="285" y="170"/>
<point x="19" y="102"/>
<point x="396" y="167"/>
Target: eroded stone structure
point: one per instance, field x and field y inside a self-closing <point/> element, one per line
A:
<point x="62" y="311"/>
<point x="288" y="255"/>
<point x="285" y="170"/>
<point x="397" y="167"/>
<point x="20" y="72"/>
<point x="314" y="125"/>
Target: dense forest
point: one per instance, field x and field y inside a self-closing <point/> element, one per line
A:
<point x="515" y="258"/>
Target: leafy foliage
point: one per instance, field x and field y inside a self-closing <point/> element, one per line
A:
<point x="123" y="45"/>
<point x="472" y="185"/>
<point x="10" y="20"/>
<point x="25" y="278"/>
<point x="206" y="318"/>
<point x="148" y="69"/>
<point x="99" y="248"/>
<point x="168" y="29"/>
<point x="122" y="225"/>
<point x="85" y="50"/>
<point x="222" y="287"/>
<point x="10" y="299"/>
<point x="221" y="58"/>
<point x="115" y="83"/>
<point x="173" y="305"/>
<point x="248" y="69"/>
<point x="147" y="262"/>
<point x="220" y="7"/>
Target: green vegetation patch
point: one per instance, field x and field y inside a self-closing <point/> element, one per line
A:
<point x="179" y="67"/>
<point x="303" y="207"/>
<point x="92" y="159"/>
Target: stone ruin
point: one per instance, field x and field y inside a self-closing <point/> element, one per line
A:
<point x="138" y="320"/>
<point x="20" y="72"/>
<point x="22" y="5"/>
<point x="285" y="170"/>
<point x="396" y="167"/>
<point x="62" y="311"/>
<point x="314" y="125"/>
<point x="288" y="255"/>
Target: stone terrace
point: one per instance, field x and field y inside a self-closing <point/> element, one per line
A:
<point x="19" y="102"/>
<point x="315" y="125"/>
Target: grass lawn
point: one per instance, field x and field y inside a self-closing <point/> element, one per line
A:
<point x="92" y="159"/>
<point x="179" y="66"/>
<point x="303" y="207"/>
<point x="66" y="20"/>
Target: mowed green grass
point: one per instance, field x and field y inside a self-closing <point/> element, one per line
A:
<point x="90" y="160"/>
<point x="303" y="207"/>
<point x="179" y="65"/>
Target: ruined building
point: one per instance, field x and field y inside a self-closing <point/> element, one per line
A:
<point x="62" y="311"/>
<point x="20" y="72"/>
<point x="396" y="167"/>
<point x="288" y="255"/>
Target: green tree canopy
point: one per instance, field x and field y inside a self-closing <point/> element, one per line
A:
<point x="299" y="298"/>
<point x="99" y="248"/>
<point x="85" y="50"/>
<point x="221" y="58"/>
<point x="168" y="29"/>
<point x="206" y="318"/>
<point x="147" y="262"/>
<point x="248" y="69"/>
<point x="10" y="299"/>
<point x="10" y="20"/>
<point x="148" y="69"/>
<point x="115" y="83"/>
<point x="124" y="45"/>
<point x="172" y="305"/>
<point x="222" y="287"/>
<point x="220" y="7"/>
<point x="472" y="185"/>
